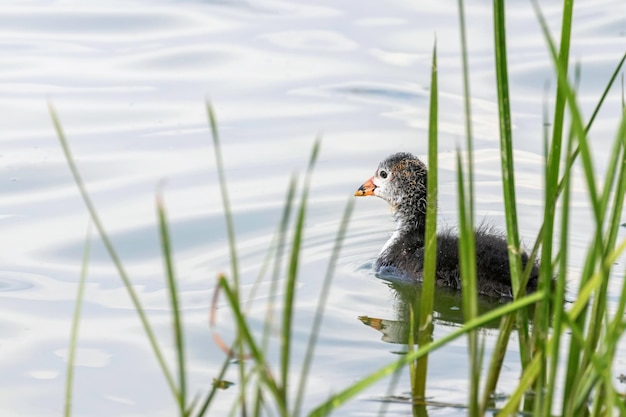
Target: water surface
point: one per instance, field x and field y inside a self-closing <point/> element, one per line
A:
<point x="129" y="79"/>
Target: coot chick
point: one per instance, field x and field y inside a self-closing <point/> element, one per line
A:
<point x="401" y="181"/>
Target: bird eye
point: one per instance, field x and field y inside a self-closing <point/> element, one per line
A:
<point x="383" y="174"/>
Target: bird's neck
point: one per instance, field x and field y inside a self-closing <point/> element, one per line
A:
<point x="407" y="238"/>
<point x="410" y="222"/>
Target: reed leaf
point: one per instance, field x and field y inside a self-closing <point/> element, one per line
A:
<point x="281" y="238"/>
<point x="321" y="304"/>
<point x="528" y="378"/>
<point x="508" y="183"/>
<point x="257" y="355"/>
<point x="230" y="228"/>
<point x="112" y="252"/>
<point x="172" y="291"/>
<point x="467" y="248"/>
<point x="506" y="146"/>
<point x="78" y="305"/>
<point x="344" y="395"/>
<point x="430" y="251"/>
<point x="228" y="213"/>
<point x="292" y="273"/>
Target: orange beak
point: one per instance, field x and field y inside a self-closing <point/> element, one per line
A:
<point x="367" y="188"/>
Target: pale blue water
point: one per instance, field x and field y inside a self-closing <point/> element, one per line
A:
<point x="129" y="79"/>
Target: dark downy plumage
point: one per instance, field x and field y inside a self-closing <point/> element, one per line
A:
<point x="401" y="181"/>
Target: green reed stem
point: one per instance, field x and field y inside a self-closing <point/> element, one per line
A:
<point x="321" y="304"/>
<point x="427" y="297"/>
<point x="204" y="408"/>
<point x="467" y="248"/>
<point x="497" y="359"/>
<point x="71" y="354"/>
<point x="270" y="255"/>
<point x="343" y="396"/>
<point x="112" y="253"/>
<point x="278" y="258"/>
<point x="577" y="378"/>
<point x="554" y="343"/>
<point x="542" y="316"/>
<point x="174" y="304"/>
<point x="529" y="376"/>
<point x="508" y="183"/>
<point x="615" y="176"/>
<point x="551" y="185"/>
<point x="230" y="227"/>
<point x="292" y="273"/>
<point x="576" y="151"/>
<point x="506" y="145"/>
<point x="257" y="355"/>
<point x="467" y="262"/>
<point x="228" y="213"/>
<point x="468" y="110"/>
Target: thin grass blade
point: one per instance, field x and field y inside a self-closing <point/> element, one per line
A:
<point x="112" y="252"/>
<point x="319" y="312"/>
<point x="245" y="333"/>
<point x="172" y="290"/>
<point x="292" y="273"/>
<point x="346" y="394"/>
<point x="529" y="376"/>
<point x="426" y="300"/>
<point x="508" y="184"/>
<point x="280" y="249"/>
<point x="71" y="354"/>
<point x="467" y="248"/>
<point x="230" y="227"/>
<point x="230" y="224"/>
